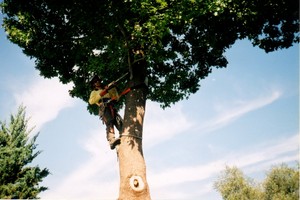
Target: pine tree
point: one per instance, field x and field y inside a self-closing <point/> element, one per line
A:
<point x="19" y="180"/>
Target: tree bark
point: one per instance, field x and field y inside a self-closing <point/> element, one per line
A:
<point x="132" y="166"/>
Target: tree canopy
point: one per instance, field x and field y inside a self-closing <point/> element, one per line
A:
<point x="282" y="182"/>
<point x="181" y="41"/>
<point x="232" y="184"/>
<point x="19" y="180"/>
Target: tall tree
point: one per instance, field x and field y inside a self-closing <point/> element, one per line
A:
<point x="171" y="43"/>
<point x="19" y="180"/>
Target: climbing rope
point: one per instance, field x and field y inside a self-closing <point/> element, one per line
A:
<point x="130" y="135"/>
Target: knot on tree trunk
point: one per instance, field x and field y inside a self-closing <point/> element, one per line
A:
<point x="136" y="183"/>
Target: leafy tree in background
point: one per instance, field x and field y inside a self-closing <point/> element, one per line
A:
<point x="171" y="43"/>
<point x="282" y="182"/>
<point x="233" y="185"/>
<point x="18" y="180"/>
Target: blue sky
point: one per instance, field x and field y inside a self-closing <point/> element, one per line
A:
<point x="246" y="115"/>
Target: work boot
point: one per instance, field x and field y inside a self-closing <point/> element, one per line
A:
<point x="114" y="142"/>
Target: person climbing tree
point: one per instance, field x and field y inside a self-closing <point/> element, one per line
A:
<point x="104" y="97"/>
<point x="175" y="44"/>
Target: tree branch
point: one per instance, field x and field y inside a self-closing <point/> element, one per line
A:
<point x="128" y="52"/>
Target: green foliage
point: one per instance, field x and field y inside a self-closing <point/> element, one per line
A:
<point x="18" y="180"/>
<point x="233" y="185"/>
<point x="282" y="182"/>
<point x="181" y="41"/>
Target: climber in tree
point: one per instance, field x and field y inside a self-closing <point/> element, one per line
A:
<point x="103" y="96"/>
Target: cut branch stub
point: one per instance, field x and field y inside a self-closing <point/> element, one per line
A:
<point x="136" y="183"/>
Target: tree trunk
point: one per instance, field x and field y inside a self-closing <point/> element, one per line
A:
<point x="133" y="182"/>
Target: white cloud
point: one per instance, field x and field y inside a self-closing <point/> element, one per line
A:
<point x="96" y="178"/>
<point x="161" y="125"/>
<point x="233" y="112"/>
<point x="269" y="153"/>
<point x="44" y="99"/>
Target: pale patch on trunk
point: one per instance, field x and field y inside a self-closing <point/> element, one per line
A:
<point x="139" y="115"/>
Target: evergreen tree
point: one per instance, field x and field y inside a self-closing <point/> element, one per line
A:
<point x="19" y="180"/>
